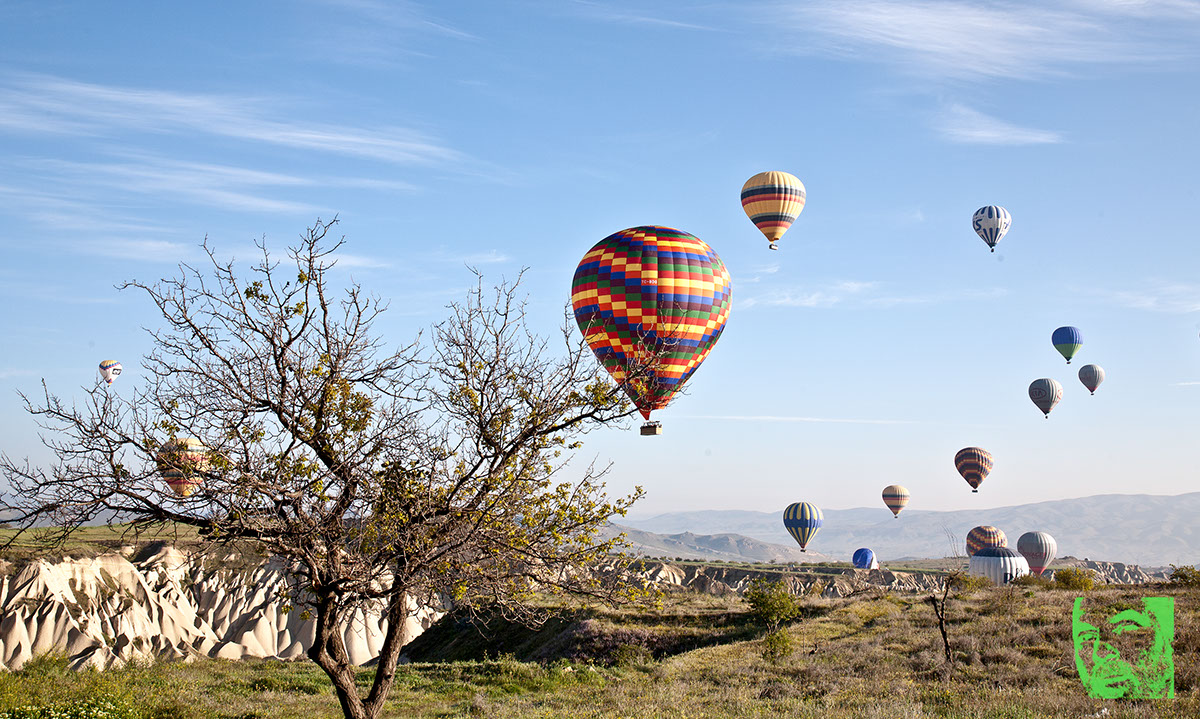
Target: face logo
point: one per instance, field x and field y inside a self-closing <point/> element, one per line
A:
<point x="1126" y="652"/>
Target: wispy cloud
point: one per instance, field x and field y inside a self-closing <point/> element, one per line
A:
<point x="142" y="250"/>
<point x="1175" y="297"/>
<point x="1187" y="384"/>
<point x="964" y="39"/>
<point x="962" y="124"/>
<point x="354" y="262"/>
<point x="43" y="104"/>
<point x="9" y="373"/>
<point x="609" y="12"/>
<point x="856" y="294"/>
<point x="776" y="418"/>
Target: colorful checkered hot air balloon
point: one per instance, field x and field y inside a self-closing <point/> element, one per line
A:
<point x="991" y="223"/>
<point x="973" y="463"/>
<point x="110" y="370"/>
<point x="985" y="536"/>
<point x="183" y="462"/>
<point x="1091" y="375"/>
<point x="651" y="303"/>
<point x="1045" y="393"/>
<point x="802" y="521"/>
<point x="1067" y="340"/>
<point x="895" y="497"/>
<point x="773" y="200"/>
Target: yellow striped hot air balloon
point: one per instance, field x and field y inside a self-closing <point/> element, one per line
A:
<point x="773" y="200"/>
<point x="985" y="536"/>
<point x="896" y="498"/>
<point x="183" y="462"/>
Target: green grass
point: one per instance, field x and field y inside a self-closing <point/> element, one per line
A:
<point x="857" y="657"/>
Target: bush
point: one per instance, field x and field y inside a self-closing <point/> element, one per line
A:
<point x="90" y="709"/>
<point x="1185" y="576"/>
<point x="777" y="645"/>
<point x="1074" y="579"/>
<point x="1032" y="580"/>
<point x="772" y="603"/>
<point x="967" y="583"/>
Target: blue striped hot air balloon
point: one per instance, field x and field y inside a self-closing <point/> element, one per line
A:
<point x="991" y="223"/>
<point x="802" y="521"/>
<point x="1067" y="340"/>
<point x="865" y="559"/>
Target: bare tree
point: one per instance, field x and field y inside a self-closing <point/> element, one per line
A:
<point x="387" y="478"/>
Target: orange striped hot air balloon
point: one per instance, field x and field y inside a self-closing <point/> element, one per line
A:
<point x="183" y="462"/>
<point x="973" y="463"/>
<point x="985" y="536"/>
<point x="895" y="497"/>
<point x="773" y="200"/>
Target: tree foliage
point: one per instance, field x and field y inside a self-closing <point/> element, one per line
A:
<point x="387" y="478"/>
<point x="772" y="603"/>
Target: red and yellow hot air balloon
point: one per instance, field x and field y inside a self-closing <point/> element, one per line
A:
<point x="773" y="200"/>
<point x="183" y="462"/>
<point x="974" y="464"/>
<point x="651" y="303"/>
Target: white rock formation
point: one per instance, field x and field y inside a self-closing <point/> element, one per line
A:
<point x="106" y="611"/>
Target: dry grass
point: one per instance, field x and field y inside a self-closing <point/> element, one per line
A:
<point x="858" y="657"/>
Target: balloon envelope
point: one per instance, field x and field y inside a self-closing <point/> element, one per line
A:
<point x="1045" y="393"/>
<point x="802" y="521"/>
<point x="973" y="463"/>
<point x="991" y="223"/>
<point x="896" y="498"/>
<point x="1039" y="549"/>
<point x="985" y="536"/>
<point x="999" y="564"/>
<point x="110" y="370"/>
<point x="183" y="462"/>
<point x="1067" y="340"/>
<point x="651" y="303"/>
<point x="865" y="559"/>
<point x="773" y="201"/>
<point x="1091" y="375"/>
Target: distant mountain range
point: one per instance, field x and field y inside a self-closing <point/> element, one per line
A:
<point x="726" y="547"/>
<point x="1144" y="529"/>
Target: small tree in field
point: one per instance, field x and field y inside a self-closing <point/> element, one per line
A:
<point x="386" y="478"/>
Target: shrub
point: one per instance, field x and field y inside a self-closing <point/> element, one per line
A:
<point x="1074" y="579"/>
<point x="1032" y="580"/>
<point x="967" y="583"/>
<point x="772" y="603"/>
<point x="777" y="645"/>
<point x="1185" y="576"/>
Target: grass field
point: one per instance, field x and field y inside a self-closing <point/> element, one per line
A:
<point x="691" y="656"/>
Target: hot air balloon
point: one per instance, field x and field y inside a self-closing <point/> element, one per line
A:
<point x="999" y="564"/>
<point x="1039" y="549"/>
<point x="1067" y="340"/>
<point x="985" y="536"/>
<point x="896" y="498"/>
<point x="991" y="223"/>
<point x="773" y="201"/>
<point x="1045" y="393"/>
<point x="802" y="521"/>
<point x="183" y="462"/>
<point x="865" y="559"/>
<point x="110" y="370"/>
<point x="973" y="463"/>
<point x="651" y="303"/>
<point x="1091" y="375"/>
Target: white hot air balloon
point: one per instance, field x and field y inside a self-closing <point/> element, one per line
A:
<point x="999" y="564"/>
<point x="1039" y="549"/>
<point x="110" y="370"/>
<point x="1091" y="375"/>
<point x="991" y="223"/>
<point x="1045" y="393"/>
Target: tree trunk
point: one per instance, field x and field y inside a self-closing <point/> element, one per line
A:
<point x="389" y="654"/>
<point x="329" y="652"/>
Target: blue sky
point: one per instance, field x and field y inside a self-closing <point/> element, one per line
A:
<point x="878" y="341"/>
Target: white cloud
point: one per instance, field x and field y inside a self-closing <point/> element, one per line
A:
<point x="979" y="39"/>
<point x="964" y="125"/>
<point x="42" y="104"/>
<point x="607" y="12"/>
<point x="1174" y="297"/>
<point x="144" y="250"/>
<point x="857" y="294"/>
<point x="1187" y="384"/>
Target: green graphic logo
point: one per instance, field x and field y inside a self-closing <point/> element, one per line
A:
<point x="1126" y="652"/>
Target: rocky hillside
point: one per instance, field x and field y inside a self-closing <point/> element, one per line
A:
<point x="107" y="610"/>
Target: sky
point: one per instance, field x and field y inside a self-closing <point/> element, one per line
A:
<point x="879" y="340"/>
